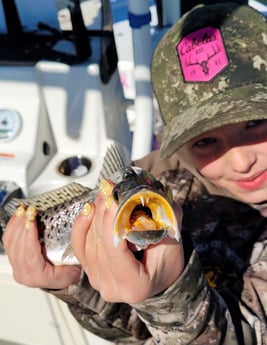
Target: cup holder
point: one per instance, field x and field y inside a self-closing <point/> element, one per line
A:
<point x="76" y="166"/>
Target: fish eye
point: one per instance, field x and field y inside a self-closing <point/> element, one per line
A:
<point x="158" y="185"/>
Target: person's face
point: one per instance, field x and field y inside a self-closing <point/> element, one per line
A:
<point x="234" y="157"/>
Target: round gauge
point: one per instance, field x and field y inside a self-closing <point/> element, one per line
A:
<point x="10" y="124"/>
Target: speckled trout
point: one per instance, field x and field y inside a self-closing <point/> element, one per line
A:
<point x="144" y="216"/>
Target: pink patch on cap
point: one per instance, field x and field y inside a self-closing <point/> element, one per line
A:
<point x="202" y="55"/>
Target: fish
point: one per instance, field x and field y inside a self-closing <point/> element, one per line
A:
<point x="144" y="216"/>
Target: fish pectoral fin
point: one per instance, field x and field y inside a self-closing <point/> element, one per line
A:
<point x="174" y="233"/>
<point x="116" y="239"/>
<point x="68" y="253"/>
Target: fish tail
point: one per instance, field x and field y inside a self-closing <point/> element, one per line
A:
<point x="4" y="218"/>
<point x="8" y="191"/>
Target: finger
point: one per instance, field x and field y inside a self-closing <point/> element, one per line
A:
<point x="105" y="192"/>
<point x="37" y="271"/>
<point x="27" y="257"/>
<point x="120" y="259"/>
<point x="12" y="240"/>
<point x="33" y="255"/>
<point x="13" y="227"/>
<point x="96" y="260"/>
<point x="80" y="230"/>
<point x="87" y="246"/>
<point x="106" y="209"/>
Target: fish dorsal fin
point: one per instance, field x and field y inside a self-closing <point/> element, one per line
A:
<point x="116" y="159"/>
<point x="48" y="199"/>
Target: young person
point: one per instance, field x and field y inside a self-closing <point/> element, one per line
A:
<point x="209" y="75"/>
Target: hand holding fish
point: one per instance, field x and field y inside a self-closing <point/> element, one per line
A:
<point x="131" y="213"/>
<point x="115" y="271"/>
<point x="25" y="253"/>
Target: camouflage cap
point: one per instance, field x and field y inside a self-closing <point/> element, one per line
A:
<point x="209" y="70"/>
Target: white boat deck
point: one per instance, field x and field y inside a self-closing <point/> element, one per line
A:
<point x="33" y="317"/>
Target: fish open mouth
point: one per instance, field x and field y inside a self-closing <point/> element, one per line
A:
<point x="146" y="217"/>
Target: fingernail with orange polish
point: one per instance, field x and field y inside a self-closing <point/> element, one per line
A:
<point x="105" y="188"/>
<point x="86" y="210"/>
<point x="30" y="216"/>
<point x="20" y="211"/>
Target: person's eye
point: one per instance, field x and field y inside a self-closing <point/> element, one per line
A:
<point x="255" y="123"/>
<point x="204" y="142"/>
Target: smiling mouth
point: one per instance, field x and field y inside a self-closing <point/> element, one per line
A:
<point x="253" y="179"/>
<point x="255" y="176"/>
<point x="254" y="182"/>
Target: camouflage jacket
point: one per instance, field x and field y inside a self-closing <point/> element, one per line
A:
<point x="221" y="297"/>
